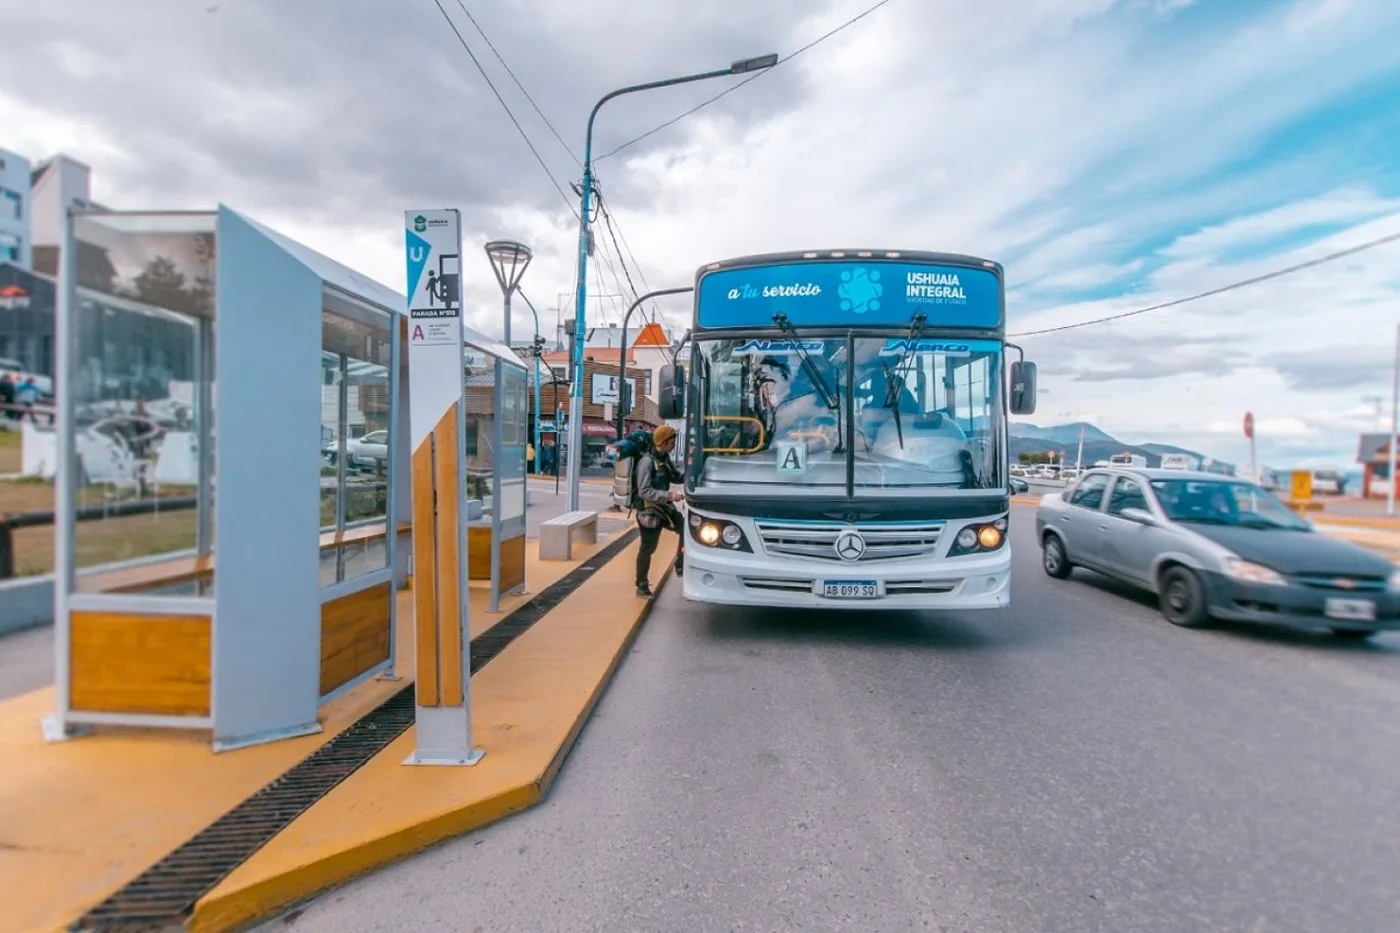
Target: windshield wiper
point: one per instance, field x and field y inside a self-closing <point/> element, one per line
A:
<point x="808" y="366"/>
<point x="894" y="382"/>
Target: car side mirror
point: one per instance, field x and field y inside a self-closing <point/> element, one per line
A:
<point x="1141" y="516"/>
<point x="1023" y="388"/>
<point x="671" y="391"/>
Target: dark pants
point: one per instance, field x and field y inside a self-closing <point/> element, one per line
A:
<point x="669" y="519"/>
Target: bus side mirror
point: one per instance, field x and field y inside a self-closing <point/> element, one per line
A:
<point x="1023" y="388"/>
<point x="672" y="391"/>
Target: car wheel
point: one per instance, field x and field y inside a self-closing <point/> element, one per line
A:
<point x="1054" y="559"/>
<point x="1183" y="598"/>
<point x="1354" y="634"/>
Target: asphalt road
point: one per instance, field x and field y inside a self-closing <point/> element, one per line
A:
<point x="1075" y="764"/>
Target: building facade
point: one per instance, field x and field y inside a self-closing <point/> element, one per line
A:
<point x="600" y="395"/>
<point x="16" y="237"/>
<point x="34" y="201"/>
<point x="1373" y="454"/>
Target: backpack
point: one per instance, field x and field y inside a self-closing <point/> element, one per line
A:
<point x="633" y="448"/>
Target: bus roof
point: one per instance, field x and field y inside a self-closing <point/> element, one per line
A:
<point x="840" y="255"/>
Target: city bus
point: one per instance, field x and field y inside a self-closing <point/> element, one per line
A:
<point x="846" y="422"/>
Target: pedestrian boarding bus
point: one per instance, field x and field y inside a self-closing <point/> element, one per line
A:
<point x="845" y="419"/>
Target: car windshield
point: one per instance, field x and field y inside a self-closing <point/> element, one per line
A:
<point x="925" y="416"/>
<point x="1224" y="502"/>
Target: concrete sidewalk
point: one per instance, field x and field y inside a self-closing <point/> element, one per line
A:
<point x="131" y="797"/>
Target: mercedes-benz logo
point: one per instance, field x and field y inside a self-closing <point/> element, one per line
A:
<point x="850" y="546"/>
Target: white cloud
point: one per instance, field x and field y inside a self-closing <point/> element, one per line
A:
<point x="1087" y="144"/>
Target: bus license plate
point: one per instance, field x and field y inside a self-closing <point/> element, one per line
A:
<point x="1354" y="610"/>
<point x="850" y="589"/>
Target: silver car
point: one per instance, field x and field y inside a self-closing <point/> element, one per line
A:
<point x="1212" y="546"/>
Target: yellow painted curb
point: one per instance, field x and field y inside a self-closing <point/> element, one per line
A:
<point x="316" y="852"/>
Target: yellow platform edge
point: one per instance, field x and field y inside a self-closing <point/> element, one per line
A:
<point x="53" y="793"/>
<point x="260" y="889"/>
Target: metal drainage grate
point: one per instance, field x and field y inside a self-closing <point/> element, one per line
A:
<point x="162" y="896"/>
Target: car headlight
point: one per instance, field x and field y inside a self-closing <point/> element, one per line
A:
<point x="1395" y="579"/>
<point x="717" y="533"/>
<point x="1248" y="572"/>
<point x="979" y="539"/>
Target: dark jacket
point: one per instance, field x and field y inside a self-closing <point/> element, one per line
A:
<point x="655" y="476"/>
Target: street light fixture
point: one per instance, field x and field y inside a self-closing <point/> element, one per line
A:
<point x="742" y="66"/>
<point x="509" y="260"/>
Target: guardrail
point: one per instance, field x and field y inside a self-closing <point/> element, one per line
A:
<point x="11" y="522"/>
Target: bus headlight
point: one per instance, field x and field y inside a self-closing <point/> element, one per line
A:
<point x="717" y="533"/>
<point x="979" y="539"/>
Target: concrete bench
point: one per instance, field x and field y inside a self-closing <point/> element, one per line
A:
<point x="558" y="534"/>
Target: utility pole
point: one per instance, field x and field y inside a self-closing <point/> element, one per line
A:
<point x="1379" y="402"/>
<point x="1079" y="457"/>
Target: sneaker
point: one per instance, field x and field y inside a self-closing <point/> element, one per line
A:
<point x="644" y="590"/>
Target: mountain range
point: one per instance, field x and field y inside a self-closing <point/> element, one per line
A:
<point x="1098" y="444"/>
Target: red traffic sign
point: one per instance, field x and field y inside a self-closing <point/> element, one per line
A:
<point x="1249" y="425"/>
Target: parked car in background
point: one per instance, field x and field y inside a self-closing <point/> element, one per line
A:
<point x="370" y="452"/>
<point x="1216" y="547"/>
<point x="1019" y="486"/>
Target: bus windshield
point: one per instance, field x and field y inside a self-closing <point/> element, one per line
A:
<point x="925" y="415"/>
<point x="761" y="406"/>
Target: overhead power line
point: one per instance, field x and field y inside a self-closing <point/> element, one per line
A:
<point x="1276" y="274"/>
<point x="612" y="223"/>
<point x="491" y="45"/>
<point x="519" y="129"/>
<point x="734" y="87"/>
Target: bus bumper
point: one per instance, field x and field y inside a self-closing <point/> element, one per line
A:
<point x="743" y="579"/>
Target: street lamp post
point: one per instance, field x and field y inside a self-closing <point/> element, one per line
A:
<point x="536" y="349"/>
<point x="622" y="398"/>
<point x="509" y="260"/>
<point x="742" y="66"/>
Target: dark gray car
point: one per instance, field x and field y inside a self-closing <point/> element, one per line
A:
<point x="1213" y="546"/>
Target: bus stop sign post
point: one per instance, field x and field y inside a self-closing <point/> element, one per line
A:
<point x="437" y="421"/>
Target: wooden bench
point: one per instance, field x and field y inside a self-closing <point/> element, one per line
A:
<point x="557" y="535"/>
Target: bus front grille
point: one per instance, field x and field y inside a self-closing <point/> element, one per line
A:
<point x="777" y="585"/>
<point x="818" y="541"/>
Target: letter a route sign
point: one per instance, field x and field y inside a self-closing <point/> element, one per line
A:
<point x="437" y="422"/>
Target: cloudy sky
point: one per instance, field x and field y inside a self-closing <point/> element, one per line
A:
<point x="1113" y="155"/>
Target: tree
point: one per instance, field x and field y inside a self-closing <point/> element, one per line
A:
<point x="162" y="284"/>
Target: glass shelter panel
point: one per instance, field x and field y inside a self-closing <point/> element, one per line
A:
<point x="479" y="373"/>
<point x="514" y="433"/>
<point x="141" y="383"/>
<point x="355" y="428"/>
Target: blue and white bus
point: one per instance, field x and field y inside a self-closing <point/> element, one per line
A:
<point x="846" y="427"/>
